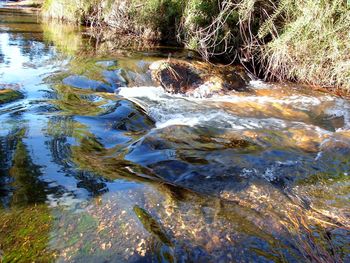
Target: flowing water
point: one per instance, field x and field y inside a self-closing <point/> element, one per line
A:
<point x="98" y="164"/>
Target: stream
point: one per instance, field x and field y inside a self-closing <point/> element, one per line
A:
<point x="99" y="164"/>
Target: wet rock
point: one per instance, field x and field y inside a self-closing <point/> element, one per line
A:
<point x="152" y="225"/>
<point x="187" y="145"/>
<point x="126" y="117"/>
<point x="82" y="82"/>
<point x="306" y="139"/>
<point x="196" y="78"/>
<point x="138" y="79"/>
<point x="129" y="117"/>
<point x="115" y="78"/>
<point x="189" y="157"/>
<point x="258" y="109"/>
<point x="8" y="95"/>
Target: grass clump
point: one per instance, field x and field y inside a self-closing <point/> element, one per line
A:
<point x="74" y="11"/>
<point x="312" y="44"/>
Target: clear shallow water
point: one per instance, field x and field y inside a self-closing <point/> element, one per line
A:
<point x="98" y="164"/>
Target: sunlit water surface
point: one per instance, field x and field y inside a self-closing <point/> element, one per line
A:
<point x="98" y="164"/>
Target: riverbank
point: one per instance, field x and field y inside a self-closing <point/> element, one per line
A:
<point x="305" y="42"/>
<point x="308" y="49"/>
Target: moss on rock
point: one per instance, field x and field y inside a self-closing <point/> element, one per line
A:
<point x="8" y="95"/>
<point x="24" y="234"/>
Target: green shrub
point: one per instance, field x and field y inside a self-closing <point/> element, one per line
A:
<point x="70" y="10"/>
<point x="159" y="17"/>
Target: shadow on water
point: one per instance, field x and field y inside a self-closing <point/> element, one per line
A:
<point x="25" y="218"/>
<point x="99" y="165"/>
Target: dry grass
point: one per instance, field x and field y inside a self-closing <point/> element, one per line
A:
<point x="312" y="44"/>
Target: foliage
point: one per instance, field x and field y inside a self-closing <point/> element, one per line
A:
<point x="74" y="11"/>
<point x="158" y="16"/>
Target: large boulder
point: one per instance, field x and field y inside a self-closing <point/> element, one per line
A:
<point x="199" y="79"/>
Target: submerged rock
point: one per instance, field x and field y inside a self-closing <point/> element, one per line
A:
<point x="8" y="95"/>
<point x="115" y="78"/>
<point x="82" y="82"/>
<point x="128" y="117"/>
<point x="152" y="225"/>
<point x="196" y="78"/>
<point x="106" y="63"/>
<point x="125" y="117"/>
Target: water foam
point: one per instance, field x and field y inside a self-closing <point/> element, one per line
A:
<point x="168" y="109"/>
